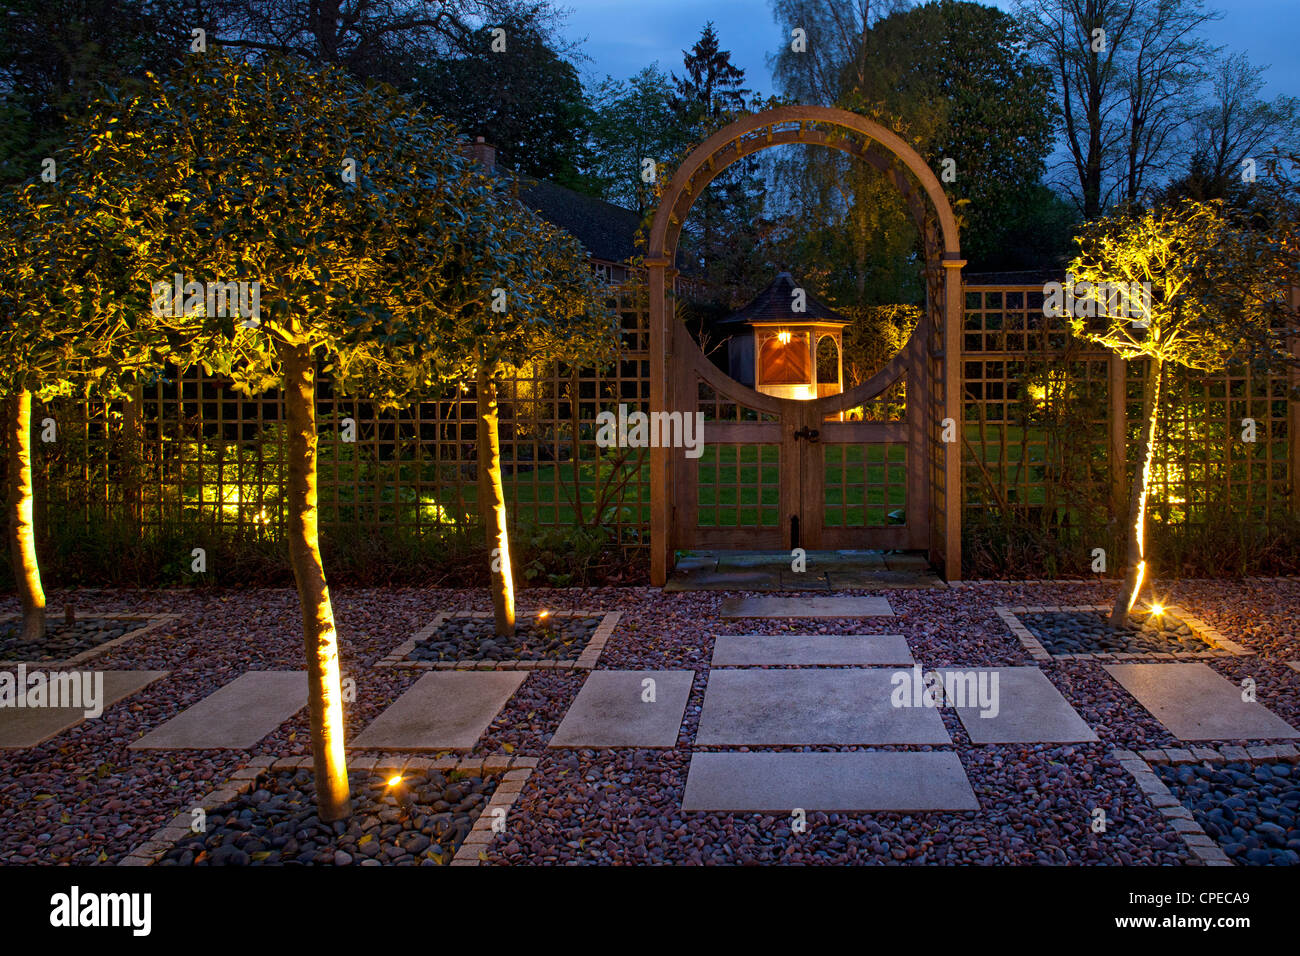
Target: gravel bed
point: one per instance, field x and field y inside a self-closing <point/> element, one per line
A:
<point x="1089" y="632"/>
<point x="63" y="640"/>
<point x="1251" y="810"/>
<point x="475" y="639"/>
<point x="420" y="821"/>
<point x="83" y="798"/>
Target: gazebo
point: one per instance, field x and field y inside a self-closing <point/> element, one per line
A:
<point x="786" y="343"/>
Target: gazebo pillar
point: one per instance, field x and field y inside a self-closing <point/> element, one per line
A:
<point x="954" y="307"/>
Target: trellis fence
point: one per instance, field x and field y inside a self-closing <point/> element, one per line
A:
<point x="1047" y="422"/>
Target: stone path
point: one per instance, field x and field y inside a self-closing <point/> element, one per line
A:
<point x="812" y="707"/>
<point x="862" y="781"/>
<point x="22" y="727"/>
<point x="443" y="710"/>
<point x="823" y="571"/>
<point x="1195" y="703"/>
<point x="1029" y="709"/>
<point x="815" y="650"/>
<point x="620" y="709"/>
<point x="807" y="607"/>
<point x="235" y="717"/>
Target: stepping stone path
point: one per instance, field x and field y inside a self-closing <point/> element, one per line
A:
<point x="1195" y="703"/>
<point x="22" y="727"/>
<point x="235" y="717"/>
<point x="812" y="707"/>
<point x="444" y="710"/>
<point x="1029" y="709"/>
<point x="613" y="710"/>
<point x="807" y="607"/>
<point x="811" y="650"/>
<point x="861" y="781"/>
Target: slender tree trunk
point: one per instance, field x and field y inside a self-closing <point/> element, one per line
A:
<point x="22" y="535"/>
<point x="320" y="639"/>
<point x="1135" y="556"/>
<point x="492" y="502"/>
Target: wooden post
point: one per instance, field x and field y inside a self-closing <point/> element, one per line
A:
<point x="660" y="537"/>
<point x="1293" y="411"/>
<point x="1117" y="425"/>
<point x="953" y="321"/>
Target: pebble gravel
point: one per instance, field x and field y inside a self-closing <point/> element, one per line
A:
<point x="83" y="798"/>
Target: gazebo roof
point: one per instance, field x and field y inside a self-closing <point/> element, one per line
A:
<point x="775" y="304"/>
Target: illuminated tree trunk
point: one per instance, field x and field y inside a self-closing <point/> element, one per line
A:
<point x="22" y="535"/>
<point x="492" y="503"/>
<point x="320" y="639"/>
<point x="1135" y="549"/>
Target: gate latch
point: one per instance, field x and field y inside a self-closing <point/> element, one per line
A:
<point x="811" y="435"/>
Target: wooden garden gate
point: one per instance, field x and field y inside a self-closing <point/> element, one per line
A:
<point x="778" y="473"/>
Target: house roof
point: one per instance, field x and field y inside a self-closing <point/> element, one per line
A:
<point x="776" y="304"/>
<point x="607" y="231"/>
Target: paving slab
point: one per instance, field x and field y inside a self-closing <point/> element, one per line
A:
<point x="749" y="579"/>
<point x="860" y="781"/>
<point x="907" y="562"/>
<point x="1028" y="707"/>
<point x="852" y="580"/>
<point x="235" y="717"/>
<point x="809" y="580"/>
<point x="443" y="710"/>
<point x="846" y="706"/>
<point x="28" y="726"/>
<point x="872" y="605"/>
<point x="1196" y="703"/>
<point x="610" y="710"/>
<point x="811" y="650"/>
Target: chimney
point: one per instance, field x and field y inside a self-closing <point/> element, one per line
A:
<point x="485" y="154"/>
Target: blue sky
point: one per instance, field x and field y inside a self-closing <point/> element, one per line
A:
<point x="624" y="35"/>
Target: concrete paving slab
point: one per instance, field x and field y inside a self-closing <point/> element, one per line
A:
<point x="726" y="580"/>
<point x="22" y="727"/>
<point x="235" y="717"/>
<point x="1026" y="707"/>
<point x="849" y="706"/>
<point x="907" y="562"/>
<point x="1195" y="703"/>
<point x="860" y="781"/>
<point x="809" y="580"/>
<point x="611" y="710"/>
<point x="811" y="650"/>
<point x="871" y="605"/>
<point x="443" y="710"/>
<point x="850" y="580"/>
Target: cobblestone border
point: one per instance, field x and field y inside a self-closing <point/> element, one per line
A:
<point x="1202" y="845"/>
<point x="515" y="771"/>
<point x="151" y="622"/>
<point x="1015" y="582"/>
<point x="585" y="661"/>
<point x="1210" y="635"/>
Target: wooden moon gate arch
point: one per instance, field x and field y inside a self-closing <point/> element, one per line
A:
<point x="795" y="429"/>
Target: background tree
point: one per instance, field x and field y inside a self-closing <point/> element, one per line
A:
<point x="1124" y="72"/>
<point x="527" y="101"/>
<point x="1181" y="254"/>
<point x="238" y="172"/>
<point x="955" y="80"/>
<point x="633" y="120"/>
<point x="55" y="53"/>
<point x="723" y="223"/>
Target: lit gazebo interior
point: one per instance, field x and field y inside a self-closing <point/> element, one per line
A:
<point x="779" y="351"/>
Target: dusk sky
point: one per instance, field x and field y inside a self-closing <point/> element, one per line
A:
<point x="624" y="35"/>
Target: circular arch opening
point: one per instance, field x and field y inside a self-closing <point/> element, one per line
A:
<point x="808" y="125"/>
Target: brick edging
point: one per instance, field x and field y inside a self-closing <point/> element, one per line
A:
<point x="515" y="772"/>
<point x="585" y="661"/>
<point x="1227" y="647"/>
<point x="151" y="622"/>
<point x="1013" y="582"/>
<point x="1202" y="845"/>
